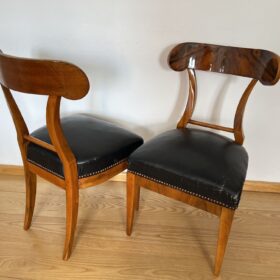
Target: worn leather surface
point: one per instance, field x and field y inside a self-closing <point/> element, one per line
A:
<point x="96" y="144"/>
<point x="195" y="161"/>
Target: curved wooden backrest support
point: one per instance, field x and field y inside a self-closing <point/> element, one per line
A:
<point x="44" y="77"/>
<point x="260" y="65"/>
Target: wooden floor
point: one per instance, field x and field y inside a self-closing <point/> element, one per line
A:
<point x="170" y="240"/>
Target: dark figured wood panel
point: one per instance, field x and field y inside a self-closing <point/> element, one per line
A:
<point x="47" y="77"/>
<point x="258" y="64"/>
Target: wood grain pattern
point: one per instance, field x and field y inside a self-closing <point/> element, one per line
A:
<point x="191" y="100"/>
<point x="260" y="65"/>
<point x="39" y="142"/>
<point x="257" y="64"/>
<point x="178" y="195"/>
<point x="56" y="79"/>
<point x="226" y="219"/>
<point x="38" y="76"/>
<point x="178" y="244"/>
<point x="102" y="176"/>
<point x="249" y="185"/>
<point x="239" y="114"/>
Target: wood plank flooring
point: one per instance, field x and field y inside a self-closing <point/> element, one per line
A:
<point x="170" y="240"/>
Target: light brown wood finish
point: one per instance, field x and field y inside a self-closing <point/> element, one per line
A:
<point x="177" y="194"/>
<point x="39" y="142"/>
<point x="56" y="79"/>
<point x="237" y="129"/>
<point x="249" y="185"/>
<point x="131" y="200"/>
<point x="238" y="119"/>
<point x="259" y="65"/>
<point x="213" y="126"/>
<point x="226" y="219"/>
<point x="191" y="100"/>
<point x="103" y="176"/>
<point x="57" y="181"/>
<point x="226" y="215"/>
<point x="178" y="244"/>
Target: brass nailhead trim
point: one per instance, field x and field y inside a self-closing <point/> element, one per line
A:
<point x="183" y="190"/>
<point x="80" y="177"/>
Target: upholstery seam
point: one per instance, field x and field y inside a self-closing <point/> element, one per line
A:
<point x="51" y="171"/>
<point x="104" y="169"/>
<point x="80" y="177"/>
<point x="181" y="189"/>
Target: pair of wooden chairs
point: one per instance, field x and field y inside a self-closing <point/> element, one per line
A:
<point x="195" y="166"/>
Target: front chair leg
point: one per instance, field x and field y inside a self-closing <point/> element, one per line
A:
<point x="30" y="184"/>
<point x="72" y="204"/>
<point x="224" y="231"/>
<point x="132" y="200"/>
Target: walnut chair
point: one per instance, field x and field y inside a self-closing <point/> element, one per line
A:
<point x="74" y="152"/>
<point x="196" y="166"/>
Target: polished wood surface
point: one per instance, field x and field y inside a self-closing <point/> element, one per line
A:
<point x="56" y="79"/>
<point x="226" y="215"/>
<point x="239" y="114"/>
<point x="102" y="176"/>
<point x="179" y="244"/>
<point x="185" y="119"/>
<point x="39" y="142"/>
<point x="257" y="64"/>
<point x="260" y="65"/>
<point x="249" y="185"/>
<point x="226" y="219"/>
<point x="46" y="77"/>
<point x="178" y="195"/>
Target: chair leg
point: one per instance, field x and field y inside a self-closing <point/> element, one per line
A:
<point x="137" y="194"/>
<point x="132" y="192"/>
<point x="224" y="231"/>
<point x="72" y="204"/>
<point x="30" y="184"/>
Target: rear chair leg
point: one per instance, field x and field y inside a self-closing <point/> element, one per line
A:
<point x="224" y="231"/>
<point x="132" y="200"/>
<point x="30" y="184"/>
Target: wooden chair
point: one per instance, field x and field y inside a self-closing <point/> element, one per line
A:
<point x="195" y="166"/>
<point x="73" y="153"/>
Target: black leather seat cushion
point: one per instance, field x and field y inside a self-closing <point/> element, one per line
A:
<point x="194" y="161"/>
<point x="96" y="144"/>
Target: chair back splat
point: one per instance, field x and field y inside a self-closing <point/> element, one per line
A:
<point x="41" y="77"/>
<point x="260" y="65"/>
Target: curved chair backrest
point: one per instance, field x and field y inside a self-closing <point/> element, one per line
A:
<point x="44" y="77"/>
<point x="260" y="65"/>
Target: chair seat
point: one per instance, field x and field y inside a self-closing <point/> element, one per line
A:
<point x="96" y="144"/>
<point x="197" y="162"/>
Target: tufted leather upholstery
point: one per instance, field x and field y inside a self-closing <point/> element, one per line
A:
<point x="96" y="144"/>
<point x="194" y="161"/>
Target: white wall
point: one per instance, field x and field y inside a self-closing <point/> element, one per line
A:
<point x="123" y="44"/>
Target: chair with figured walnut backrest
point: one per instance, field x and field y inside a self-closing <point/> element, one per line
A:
<point x="73" y="152"/>
<point x="199" y="167"/>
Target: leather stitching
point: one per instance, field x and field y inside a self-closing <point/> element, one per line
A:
<point x="183" y="190"/>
